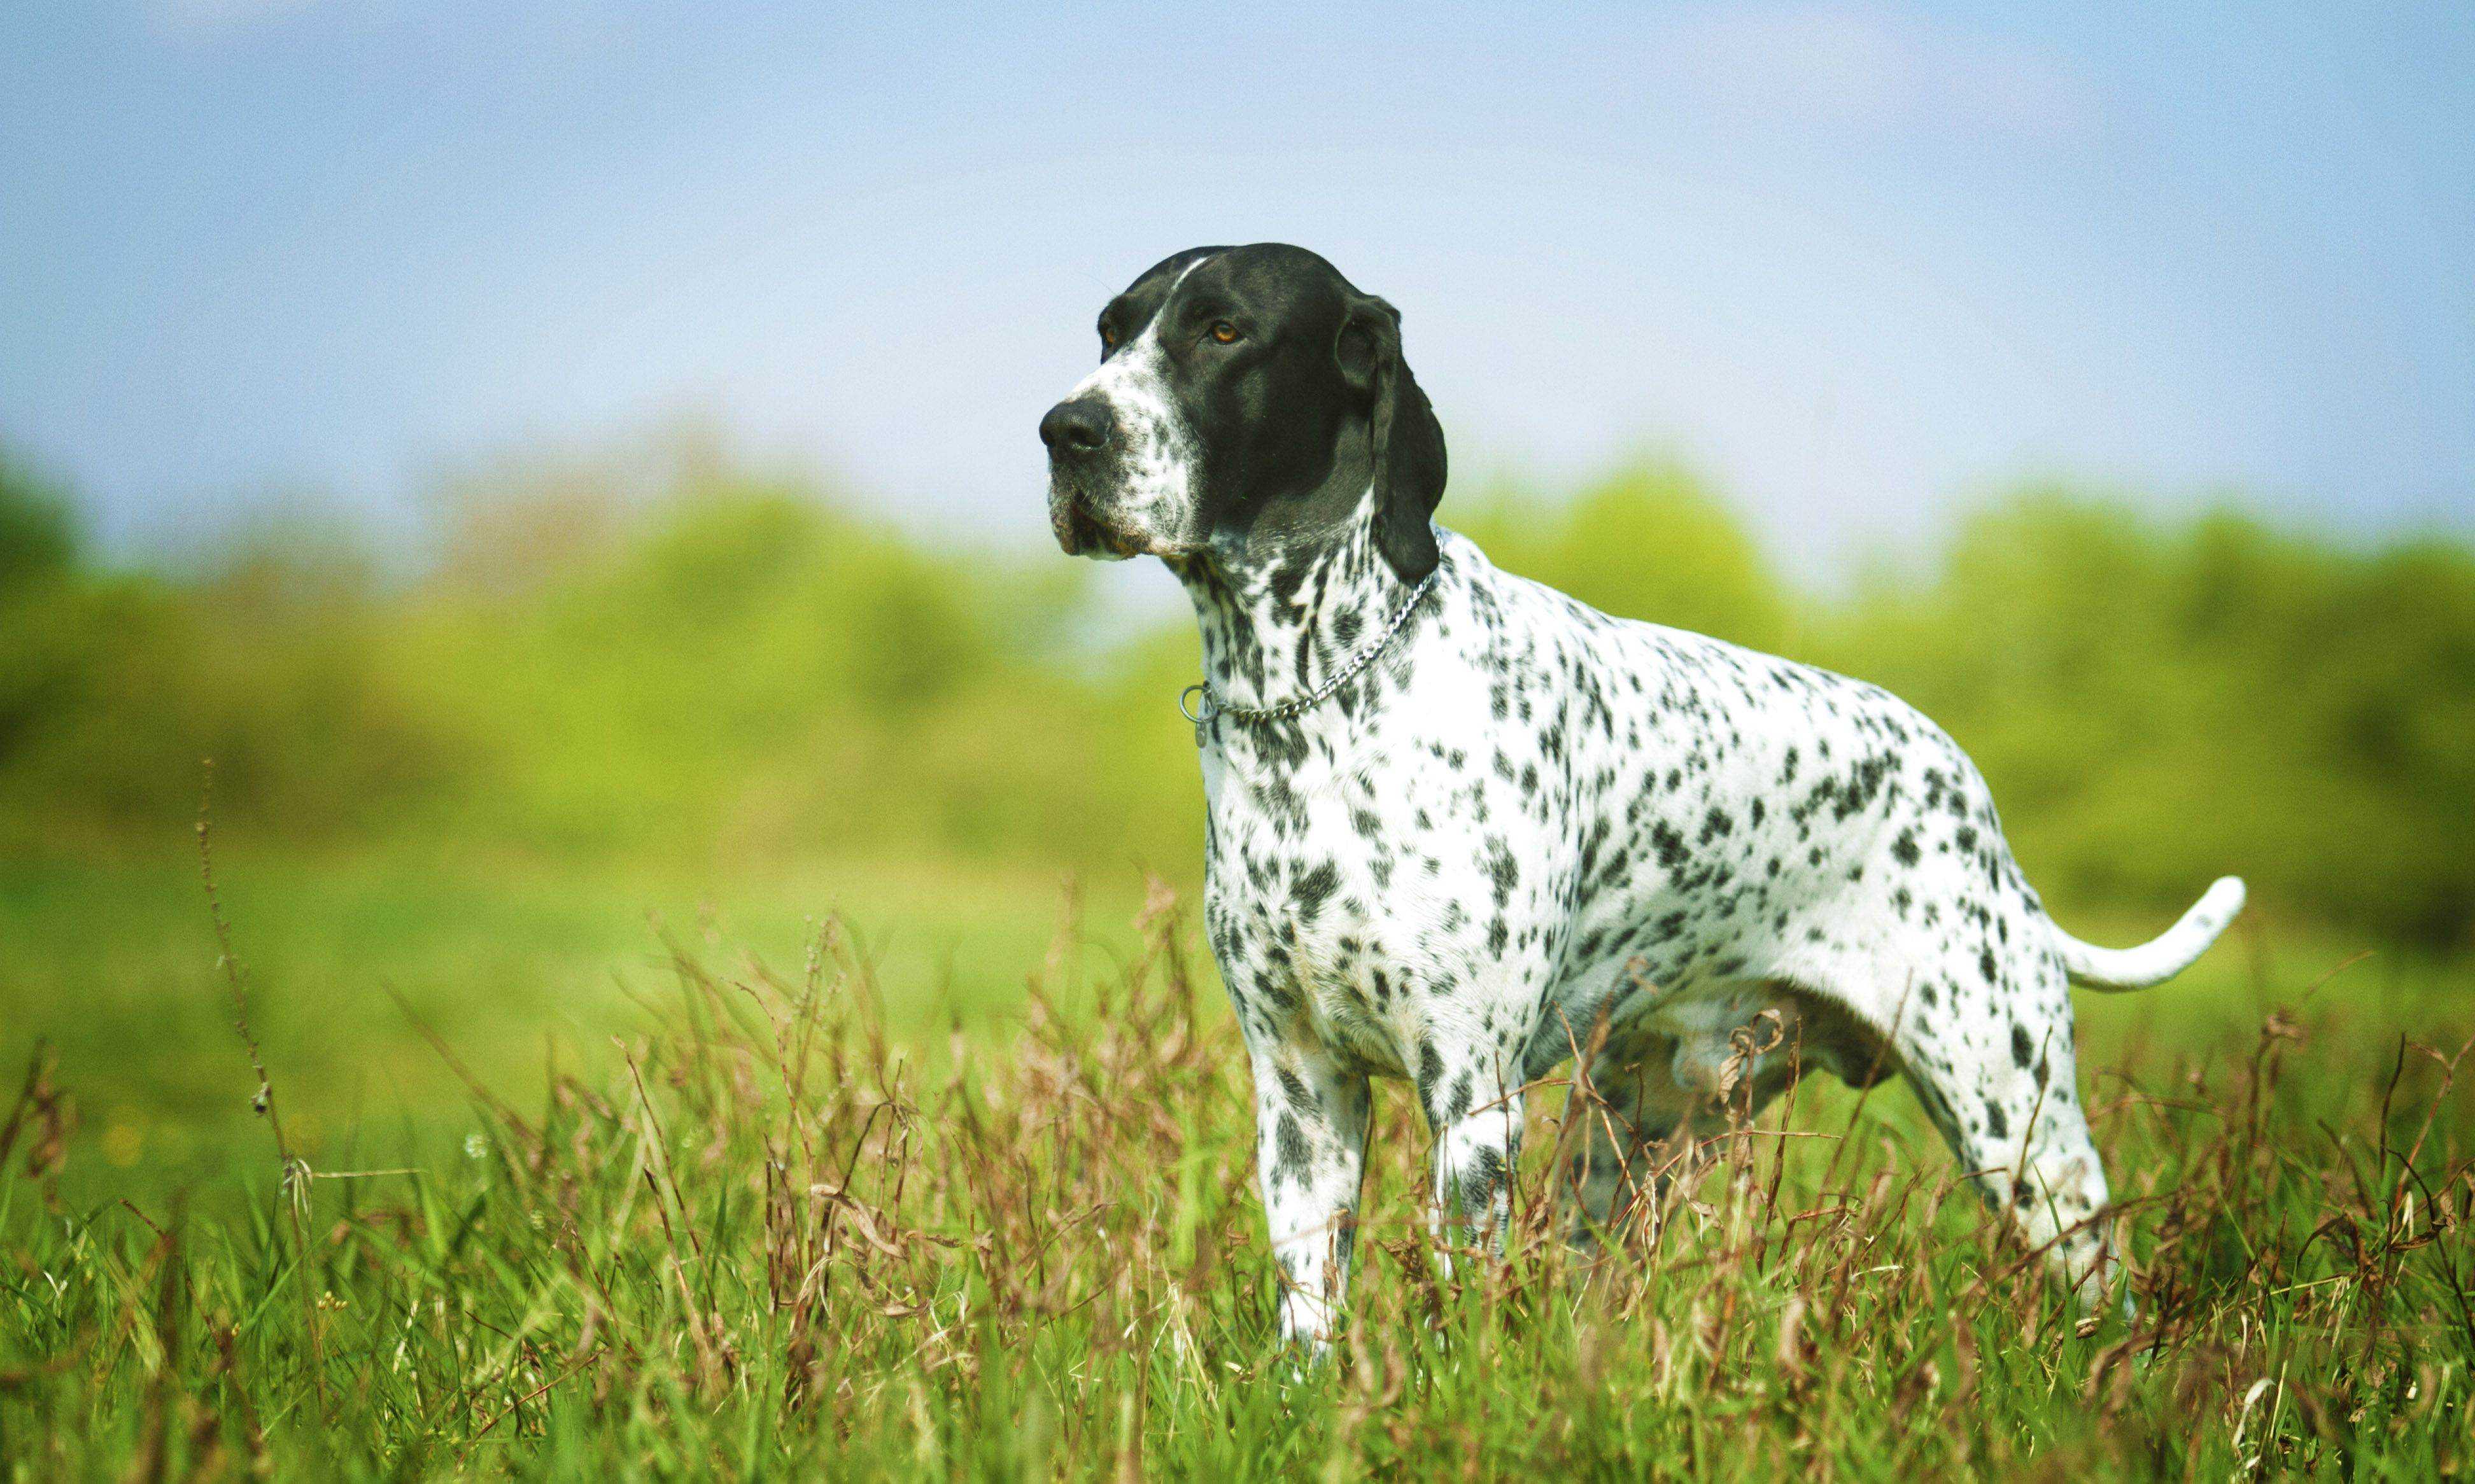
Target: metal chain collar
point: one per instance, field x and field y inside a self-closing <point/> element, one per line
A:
<point x="1211" y="707"/>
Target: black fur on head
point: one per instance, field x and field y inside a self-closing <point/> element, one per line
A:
<point x="1404" y="443"/>
<point x="1248" y="398"/>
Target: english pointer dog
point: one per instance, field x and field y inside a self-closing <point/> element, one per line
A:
<point x="1457" y="817"/>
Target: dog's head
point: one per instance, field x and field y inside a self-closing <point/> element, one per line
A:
<point x="1249" y="400"/>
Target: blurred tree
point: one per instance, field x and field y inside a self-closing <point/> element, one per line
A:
<point x="662" y="650"/>
<point x="2155" y="706"/>
<point x="1649" y="541"/>
<point x="38" y="535"/>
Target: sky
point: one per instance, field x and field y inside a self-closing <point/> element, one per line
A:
<point x="1858" y="264"/>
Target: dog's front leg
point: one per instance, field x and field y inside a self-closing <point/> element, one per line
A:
<point x="1473" y="1109"/>
<point x="1311" y="1151"/>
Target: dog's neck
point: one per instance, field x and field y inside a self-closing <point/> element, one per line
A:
<point x="1277" y="627"/>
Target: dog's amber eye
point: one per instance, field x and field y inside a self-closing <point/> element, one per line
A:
<point x="1223" y="332"/>
<point x="1107" y="340"/>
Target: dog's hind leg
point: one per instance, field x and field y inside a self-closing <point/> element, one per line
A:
<point x="1652" y="1104"/>
<point x="2036" y="1167"/>
<point x="1628" y="1106"/>
<point x="1643" y="1130"/>
<point x="2003" y="1092"/>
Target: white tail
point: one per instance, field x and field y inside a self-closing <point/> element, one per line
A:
<point x="2161" y="958"/>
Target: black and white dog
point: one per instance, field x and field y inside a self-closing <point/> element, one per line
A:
<point x="1456" y="816"/>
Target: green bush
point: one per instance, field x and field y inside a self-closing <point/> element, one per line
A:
<point x="2156" y="704"/>
<point x="682" y="658"/>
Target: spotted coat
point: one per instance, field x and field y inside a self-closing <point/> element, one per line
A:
<point x="1527" y="814"/>
<point x="1524" y="816"/>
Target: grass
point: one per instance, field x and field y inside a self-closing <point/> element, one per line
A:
<point x="112" y="966"/>
<point x="771" y="1231"/>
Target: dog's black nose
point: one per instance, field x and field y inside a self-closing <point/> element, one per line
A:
<point x="1083" y="425"/>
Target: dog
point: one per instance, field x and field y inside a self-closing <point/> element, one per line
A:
<point x="1457" y="818"/>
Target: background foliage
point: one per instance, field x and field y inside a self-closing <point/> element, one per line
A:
<point x="681" y="656"/>
<point x="558" y="1191"/>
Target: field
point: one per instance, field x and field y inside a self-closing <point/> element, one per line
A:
<point x="595" y="1175"/>
<point x="586" y="893"/>
<point x="681" y="1053"/>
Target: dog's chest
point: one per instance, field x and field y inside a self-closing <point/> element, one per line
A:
<point x="1346" y="900"/>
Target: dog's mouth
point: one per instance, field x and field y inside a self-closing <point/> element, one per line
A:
<point x="1081" y="533"/>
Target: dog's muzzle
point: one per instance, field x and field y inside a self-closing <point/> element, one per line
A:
<point x="1085" y="447"/>
<point x="1078" y="428"/>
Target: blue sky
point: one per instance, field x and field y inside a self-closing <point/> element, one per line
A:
<point x="1857" y="262"/>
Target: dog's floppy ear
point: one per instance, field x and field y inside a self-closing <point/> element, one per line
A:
<point x="1405" y="441"/>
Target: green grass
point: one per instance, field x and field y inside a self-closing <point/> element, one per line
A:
<point x="113" y="968"/>
<point x="779" y="1229"/>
